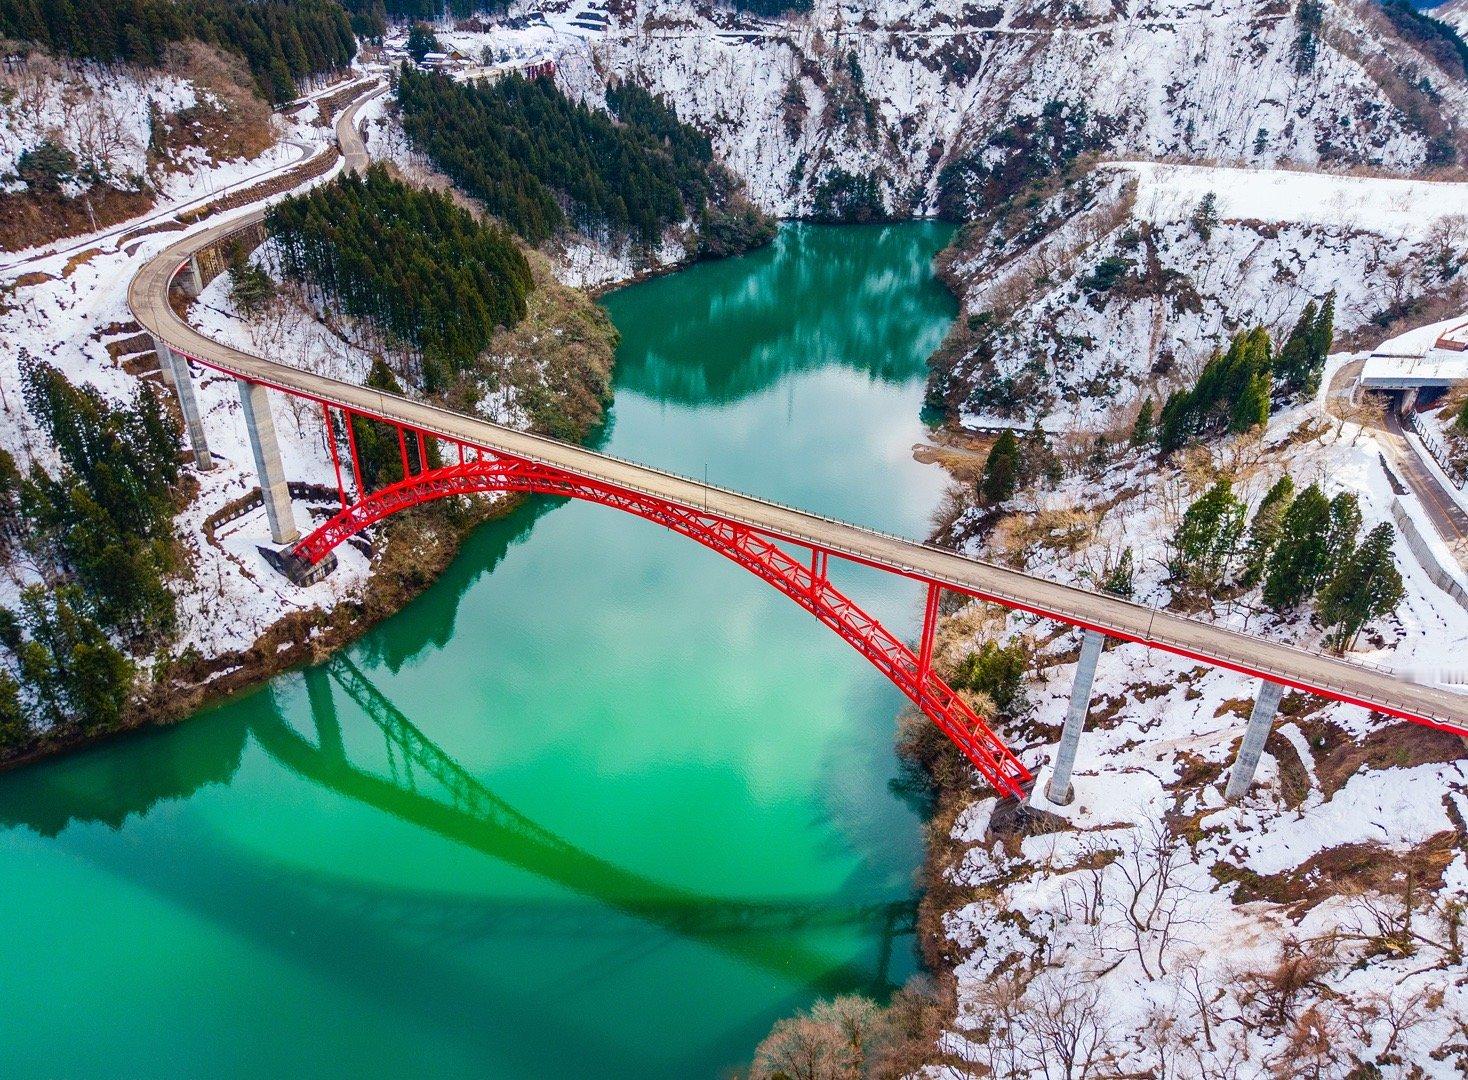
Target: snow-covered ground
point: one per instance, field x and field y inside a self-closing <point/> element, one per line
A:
<point x="1390" y="206"/>
<point x="1122" y="919"/>
<point x="101" y="114"/>
<point x="73" y="307"/>
<point x="1077" y="353"/>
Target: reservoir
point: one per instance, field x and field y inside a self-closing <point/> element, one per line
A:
<point x="599" y="803"/>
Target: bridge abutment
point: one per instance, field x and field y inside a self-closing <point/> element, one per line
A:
<point x="1241" y="776"/>
<point x="175" y="368"/>
<point x="255" y="399"/>
<point x="1058" y="790"/>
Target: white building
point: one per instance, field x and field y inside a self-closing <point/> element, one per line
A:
<point x="1429" y="356"/>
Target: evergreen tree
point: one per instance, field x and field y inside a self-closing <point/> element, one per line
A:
<point x="1207" y="537"/>
<point x="107" y="517"/>
<point x="1301" y="555"/>
<point x="281" y="40"/>
<point x="1001" y="470"/>
<point x="1251" y="408"/>
<point x="1145" y="427"/>
<point x="1295" y="356"/>
<point x="1322" y="340"/>
<point x="422" y="41"/>
<point x="1309" y="17"/>
<point x="998" y="672"/>
<point x="1264" y="529"/>
<point x="1232" y="394"/>
<point x="424" y="271"/>
<point x="15" y="721"/>
<point x="10" y="485"/>
<point x="249" y="286"/>
<point x="1301" y="361"/>
<point x="1205" y="216"/>
<point x="1367" y="587"/>
<point x="379" y="453"/>
<point x="543" y="163"/>
<point x="1037" y="461"/>
<point x="78" y="677"/>
<point x="1118" y="580"/>
<point x="1345" y="527"/>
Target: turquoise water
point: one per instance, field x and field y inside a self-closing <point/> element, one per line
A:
<point x="598" y="804"/>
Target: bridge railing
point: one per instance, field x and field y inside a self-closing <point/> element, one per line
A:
<point x="1142" y="629"/>
<point x="1434" y="447"/>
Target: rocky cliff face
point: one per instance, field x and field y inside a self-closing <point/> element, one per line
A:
<point x="902" y="106"/>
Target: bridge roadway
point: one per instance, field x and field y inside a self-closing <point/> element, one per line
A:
<point x="1328" y="676"/>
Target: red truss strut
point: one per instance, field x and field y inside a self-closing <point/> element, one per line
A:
<point x="805" y="583"/>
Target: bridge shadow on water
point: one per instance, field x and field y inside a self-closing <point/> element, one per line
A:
<point x="760" y="932"/>
<point x="361" y="933"/>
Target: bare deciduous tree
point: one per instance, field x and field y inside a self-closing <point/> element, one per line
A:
<point x="1315" y="1048"/>
<point x="1153" y="900"/>
<point x="1070" y="1029"/>
<point x="1274" y="993"/>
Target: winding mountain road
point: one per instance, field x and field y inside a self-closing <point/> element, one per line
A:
<point x="148" y="296"/>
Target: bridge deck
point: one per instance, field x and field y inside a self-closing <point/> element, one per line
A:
<point x="148" y="296"/>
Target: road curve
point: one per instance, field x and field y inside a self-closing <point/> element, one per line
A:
<point x="148" y="296"/>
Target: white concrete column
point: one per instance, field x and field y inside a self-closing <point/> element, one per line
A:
<point x="1241" y="776"/>
<point x="1058" y="790"/>
<point x="1408" y="402"/>
<point x="193" y="277"/>
<point x="188" y="404"/>
<point x="261" y="426"/>
<point x="165" y="365"/>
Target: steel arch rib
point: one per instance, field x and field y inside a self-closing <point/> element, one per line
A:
<point x="741" y="544"/>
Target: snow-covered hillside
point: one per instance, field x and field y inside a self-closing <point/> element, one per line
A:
<point x="1117" y="289"/>
<point x="1315" y="924"/>
<point x="70" y="309"/>
<point x="101" y="114"/>
<point x="84" y="145"/>
<point x="900" y="89"/>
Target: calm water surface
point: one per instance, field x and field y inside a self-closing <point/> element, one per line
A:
<point x="597" y="804"/>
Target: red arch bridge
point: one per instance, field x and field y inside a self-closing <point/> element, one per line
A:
<point x="788" y="548"/>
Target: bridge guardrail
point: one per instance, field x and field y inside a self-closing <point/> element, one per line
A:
<point x="1434" y="447"/>
<point x="1144" y="630"/>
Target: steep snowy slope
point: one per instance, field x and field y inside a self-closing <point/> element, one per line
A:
<point x="83" y="144"/>
<point x="1114" y="289"/>
<point x="811" y="108"/>
<point x="1310" y="929"/>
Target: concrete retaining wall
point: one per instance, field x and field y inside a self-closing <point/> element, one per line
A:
<point x="1427" y="556"/>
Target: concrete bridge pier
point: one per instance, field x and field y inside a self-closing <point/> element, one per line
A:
<point x="1058" y="790"/>
<point x="1241" y="776"/>
<point x="165" y="364"/>
<point x="255" y="399"/>
<point x="191" y="279"/>
<point x="176" y="373"/>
